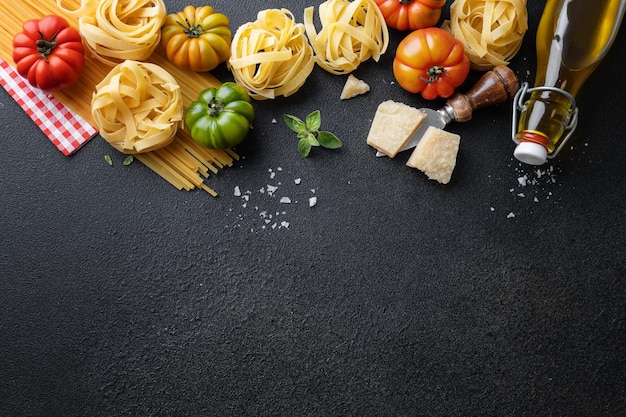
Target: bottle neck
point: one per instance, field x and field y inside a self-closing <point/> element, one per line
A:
<point x="573" y="37"/>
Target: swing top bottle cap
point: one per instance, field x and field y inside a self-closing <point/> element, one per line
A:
<point x="531" y="153"/>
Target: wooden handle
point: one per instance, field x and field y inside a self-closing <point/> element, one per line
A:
<point x="494" y="87"/>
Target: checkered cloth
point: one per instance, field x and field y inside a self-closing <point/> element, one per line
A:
<point x="66" y="129"/>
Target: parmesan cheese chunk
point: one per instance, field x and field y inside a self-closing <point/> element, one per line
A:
<point x="354" y="87"/>
<point x="435" y="154"/>
<point x="393" y="126"/>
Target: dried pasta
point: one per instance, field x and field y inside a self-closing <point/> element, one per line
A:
<point x="492" y="31"/>
<point x="114" y="30"/>
<point x="351" y="33"/>
<point x="137" y="107"/>
<point x="183" y="163"/>
<point x="271" y="56"/>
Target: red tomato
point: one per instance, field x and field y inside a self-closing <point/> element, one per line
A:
<point x="432" y="62"/>
<point x="411" y="14"/>
<point x="49" y="53"/>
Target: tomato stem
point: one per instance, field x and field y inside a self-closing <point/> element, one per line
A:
<point x="191" y="29"/>
<point x="433" y="74"/>
<point x="44" y="46"/>
<point x="215" y="107"/>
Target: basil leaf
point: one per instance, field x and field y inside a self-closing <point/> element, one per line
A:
<point x="304" y="147"/>
<point x="328" y="140"/>
<point x="294" y="123"/>
<point x="313" y="121"/>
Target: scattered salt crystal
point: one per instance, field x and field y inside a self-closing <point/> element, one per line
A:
<point x="274" y="121"/>
<point x="536" y="200"/>
<point x="523" y="180"/>
<point x="521" y="195"/>
<point x="510" y="215"/>
<point x="492" y="209"/>
<point x="271" y="189"/>
<point x="312" y="201"/>
<point x="298" y="180"/>
<point x="237" y="191"/>
<point x="284" y="224"/>
<point x="285" y="200"/>
<point x="272" y="175"/>
<point x="279" y="169"/>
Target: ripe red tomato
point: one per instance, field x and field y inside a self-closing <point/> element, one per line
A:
<point x="49" y="53"/>
<point x="432" y="62"/>
<point x="411" y="14"/>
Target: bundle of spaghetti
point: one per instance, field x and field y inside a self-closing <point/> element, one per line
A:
<point x="118" y="30"/>
<point x="491" y="31"/>
<point x="137" y="107"/>
<point x="271" y="56"/>
<point x="352" y="32"/>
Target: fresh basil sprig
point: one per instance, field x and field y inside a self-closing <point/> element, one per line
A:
<point x="309" y="134"/>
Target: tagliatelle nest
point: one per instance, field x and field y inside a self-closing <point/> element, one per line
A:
<point x="491" y="31"/>
<point x="116" y="30"/>
<point x="138" y="107"/>
<point x="271" y="56"/>
<point x="352" y="32"/>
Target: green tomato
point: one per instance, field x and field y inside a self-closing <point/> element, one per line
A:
<point x="221" y="117"/>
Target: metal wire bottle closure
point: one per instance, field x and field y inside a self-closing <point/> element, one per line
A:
<point x="519" y="105"/>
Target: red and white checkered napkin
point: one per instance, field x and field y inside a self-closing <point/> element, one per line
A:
<point x="66" y="129"/>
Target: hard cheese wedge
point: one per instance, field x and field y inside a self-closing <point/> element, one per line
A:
<point x="354" y="87"/>
<point x="435" y="154"/>
<point x="393" y="126"/>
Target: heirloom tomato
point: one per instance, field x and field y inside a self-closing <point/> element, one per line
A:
<point x="221" y="116"/>
<point x="196" y="39"/>
<point x="411" y="14"/>
<point x="49" y="53"/>
<point x="432" y="62"/>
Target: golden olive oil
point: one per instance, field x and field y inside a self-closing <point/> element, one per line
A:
<point x="572" y="39"/>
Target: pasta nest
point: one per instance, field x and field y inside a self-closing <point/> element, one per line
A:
<point x="491" y="31"/>
<point x="351" y="33"/>
<point x="138" y="107"/>
<point x="271" y="56"/>
<point x="116" y="30"/>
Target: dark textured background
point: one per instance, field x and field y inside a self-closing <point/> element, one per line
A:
<point x="394" y="296"/>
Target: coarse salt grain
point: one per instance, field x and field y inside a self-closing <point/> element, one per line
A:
<point x="271" y="189"/>
<point x="312" y="201"/>
<point x="285" y="200"/>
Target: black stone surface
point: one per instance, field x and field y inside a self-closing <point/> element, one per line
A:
<point x="393" y="296"/>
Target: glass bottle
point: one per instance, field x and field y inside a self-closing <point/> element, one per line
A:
<point x="572" y="39"/>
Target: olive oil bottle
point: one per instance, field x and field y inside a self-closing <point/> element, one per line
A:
<point x="572" y="39"/>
